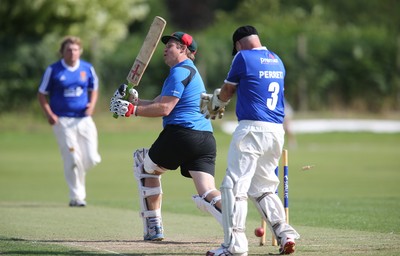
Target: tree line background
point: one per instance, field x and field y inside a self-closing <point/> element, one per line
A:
<point x="339" y="55"/>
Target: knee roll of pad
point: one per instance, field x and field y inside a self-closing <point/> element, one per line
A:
<point x="143" y="161"/>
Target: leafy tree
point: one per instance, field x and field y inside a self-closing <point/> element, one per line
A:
<point x="189" y="16"/>
<point x="196" y="14"/>
<point x="337" y="55"/>
<point x="30" y="32"/>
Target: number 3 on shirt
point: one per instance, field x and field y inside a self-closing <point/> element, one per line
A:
<point x="273" y="88"/>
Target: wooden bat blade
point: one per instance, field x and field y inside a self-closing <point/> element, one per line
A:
<point x="146" y="51"/>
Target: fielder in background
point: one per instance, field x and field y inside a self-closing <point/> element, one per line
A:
<point x="68" y="95"/>
<point x="257" y="76"/>
<point x="186" y="141"/>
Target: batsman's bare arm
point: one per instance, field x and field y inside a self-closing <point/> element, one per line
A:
<point x="143" y="102"/>
<point x="160" y="106"/>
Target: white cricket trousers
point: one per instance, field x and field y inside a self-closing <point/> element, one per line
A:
<point x="78" y="143"/>
<point x="253" y="156"/>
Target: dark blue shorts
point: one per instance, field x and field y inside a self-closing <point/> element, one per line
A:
<point x="188" y="149"/>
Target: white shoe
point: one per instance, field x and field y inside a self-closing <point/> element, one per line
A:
<point x="223" y="251"/>
<point x="154" y="234"/>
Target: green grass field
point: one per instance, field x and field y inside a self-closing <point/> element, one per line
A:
<point x="348" y="204"/>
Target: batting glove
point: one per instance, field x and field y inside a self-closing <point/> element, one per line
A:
<point x="123" y="108"/>
<point x="126" y="93"/>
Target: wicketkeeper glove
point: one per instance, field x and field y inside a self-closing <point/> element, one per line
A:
<point x="211" y="106"/>
<point x="123" y="108"/>
<point x="204" y="100"/>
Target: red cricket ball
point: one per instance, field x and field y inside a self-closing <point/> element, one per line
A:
<point x="259" y="232"/>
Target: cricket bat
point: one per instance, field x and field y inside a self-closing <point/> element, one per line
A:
<point x="146" y="52"/>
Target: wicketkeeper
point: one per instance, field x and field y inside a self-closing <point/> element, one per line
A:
<point x="257" y="76"/>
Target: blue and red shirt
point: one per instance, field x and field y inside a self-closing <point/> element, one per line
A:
<point x="68" y="87"/>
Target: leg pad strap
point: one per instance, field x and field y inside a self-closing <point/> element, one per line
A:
<point x="208" y="207"/>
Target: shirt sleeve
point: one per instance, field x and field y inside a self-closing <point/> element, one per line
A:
<point x="43" y="87"/>
<point x="94" y="80"/>
<point x="173" y="85"/>
<point x="237" y="70"/>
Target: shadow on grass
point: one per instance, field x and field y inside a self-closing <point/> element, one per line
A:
<point x="84" y="253"/>
<point x="19" y="246"/>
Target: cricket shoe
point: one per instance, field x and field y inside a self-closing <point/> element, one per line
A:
<point x="77" y="203"/>
<point x="287" y="247"/>
<point x="154" y="233"/>
<point x="223" y="251"/>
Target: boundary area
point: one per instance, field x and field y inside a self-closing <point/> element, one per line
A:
<point x="333" y="125"/>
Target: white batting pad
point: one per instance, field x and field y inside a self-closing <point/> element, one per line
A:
<point x="234" y="211"/>
<point x="144" y="192"/>
<point x="205" y="206"/>
<point x="271" y="209"/>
